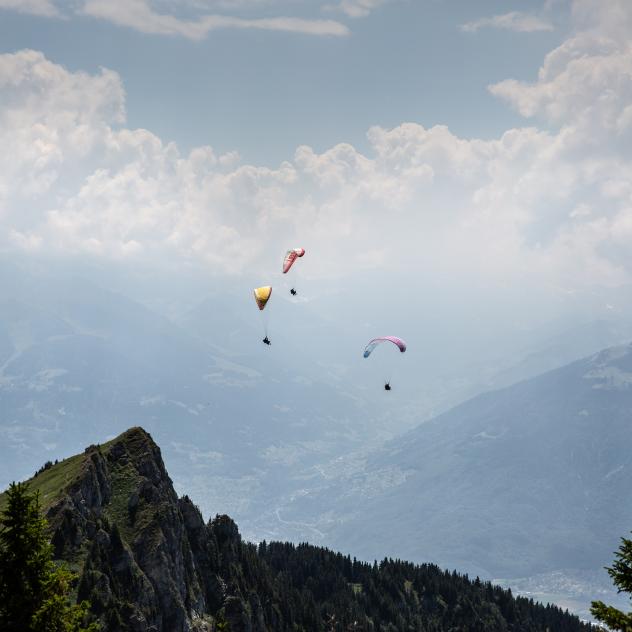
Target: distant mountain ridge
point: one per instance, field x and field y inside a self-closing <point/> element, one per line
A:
<point x="148" y="563"/>
<point x="528" y="479"/>
<point x="242" y="426"/>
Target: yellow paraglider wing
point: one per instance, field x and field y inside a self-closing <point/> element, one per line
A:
<point x="262" y="295"/>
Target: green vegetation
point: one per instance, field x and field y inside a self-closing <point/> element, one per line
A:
<point x="34" y="591"/>
<point x="125" y="480"/>
<point x="142" y="554"/>
<point x="621" y="573"/>
<point x="307" y="588"/>
<point x="51" y="482"/>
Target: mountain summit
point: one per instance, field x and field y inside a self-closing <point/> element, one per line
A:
<point x="149" y="563"/>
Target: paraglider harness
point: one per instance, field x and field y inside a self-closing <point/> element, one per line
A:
<point x="293" y="292"/>
<point x="266" y="341"/>
<point x="387" y="386"/>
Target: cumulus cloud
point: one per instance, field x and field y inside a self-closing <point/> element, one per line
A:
<point x="513" y="21"/>
<point x="610" y="18"/>
<point x="585" y="82"/>
<point x="546" y="205"/>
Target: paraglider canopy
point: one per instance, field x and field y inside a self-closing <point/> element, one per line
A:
<point x="398" y="342"/>
<point x="262" y="295"/>
<point x="290" y="257"/>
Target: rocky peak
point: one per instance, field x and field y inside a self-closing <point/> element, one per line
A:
<point x="119" y="517"/>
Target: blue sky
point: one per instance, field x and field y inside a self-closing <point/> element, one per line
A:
<point x="263" y="93"/>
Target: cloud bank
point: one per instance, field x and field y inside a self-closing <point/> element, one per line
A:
<point x="545" y="205"/>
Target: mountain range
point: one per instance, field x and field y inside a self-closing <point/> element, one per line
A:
<point x="522" y="483"/>
<point x="528" y="480"/>
<point x="147" y="562"/>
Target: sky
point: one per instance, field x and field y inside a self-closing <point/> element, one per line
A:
<point x="264" y="93"/>
<point x="443" y="144"/>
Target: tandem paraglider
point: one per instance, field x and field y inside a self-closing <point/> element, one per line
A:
<point x="262" y="296"/>
<point x="288" y="261"/>
<point x="398" y="342"/>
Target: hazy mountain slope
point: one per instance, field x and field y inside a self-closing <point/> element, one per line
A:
<point x="147" y="562"/>
<point x="565" y="344"/>
<point x="78" y="362"/>
<point x="244" y="427"/>
<point x="524" y="480"/>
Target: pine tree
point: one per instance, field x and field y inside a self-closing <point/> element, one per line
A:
<point x="621" y="573"/>
<point x="34" y="591"/>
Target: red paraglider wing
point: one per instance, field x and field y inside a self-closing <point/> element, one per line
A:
<point x="290" y="257"/>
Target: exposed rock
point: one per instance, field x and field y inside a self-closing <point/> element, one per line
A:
<point x="140" y="573"/>
<point x="149" y="563"/>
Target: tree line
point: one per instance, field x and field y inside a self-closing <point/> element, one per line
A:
<point x="289" y="587"/>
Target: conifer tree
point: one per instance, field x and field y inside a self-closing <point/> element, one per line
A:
<point x="34" y="591"/>
<point x="621" y="573"/>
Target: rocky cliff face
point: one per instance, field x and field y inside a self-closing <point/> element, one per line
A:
<point x="147" y="560"/>
<point x="148" y="563"/>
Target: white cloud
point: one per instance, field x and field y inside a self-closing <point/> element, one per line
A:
<point x="142" y="16"/>
<point x="212" y="5"/>
<point x="38" y="133"/>
<point x="139" y="15"/>
<point x="44" y="8"/>
<point x="586" y="81"/>
<point x="356" y="8"/>
<point x="608" y="18"/>
<point x="513" y="21"/>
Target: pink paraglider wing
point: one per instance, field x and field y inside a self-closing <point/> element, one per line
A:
<point x="290" y="257"/>
<point x="398" y="342"/>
